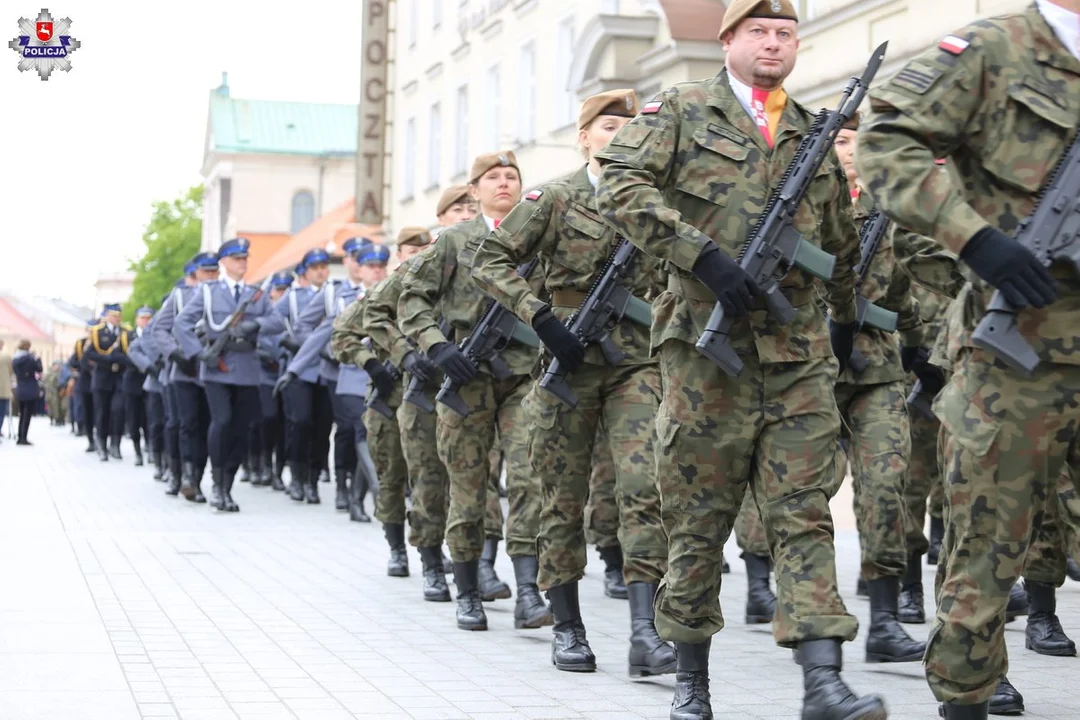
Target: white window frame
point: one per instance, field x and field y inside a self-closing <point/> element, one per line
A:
<point x="408" y="171"/>
<point x="414" y="23"/>
<point x="435" y="144"/>
<point x="461" y="130"/>
<point x="526" y="91"/>
<point x="493" y="110"/>
<point x="565" y="97"/>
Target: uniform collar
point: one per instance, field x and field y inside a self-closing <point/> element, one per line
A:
<point x="593" y="179"/>
<point x="490" y="222"/>
<point x="1064" y="23"/>
<point x="231" y="284"/>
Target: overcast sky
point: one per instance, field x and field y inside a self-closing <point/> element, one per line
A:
<point x="83" y="155"/>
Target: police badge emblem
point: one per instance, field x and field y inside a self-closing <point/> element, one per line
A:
<point x="44" y="45"/>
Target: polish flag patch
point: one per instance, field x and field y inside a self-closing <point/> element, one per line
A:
<point x="651" y="108"/>
<point x="534" y="195"/>
<point x="953" y="45"/>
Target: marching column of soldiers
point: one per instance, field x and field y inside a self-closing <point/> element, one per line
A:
<point x="557" y="337"/>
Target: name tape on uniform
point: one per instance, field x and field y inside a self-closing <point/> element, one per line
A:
<point x="954" y="45"/>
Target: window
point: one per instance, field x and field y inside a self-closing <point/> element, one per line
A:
<point x="461" y="132"/>
<point x="526" y="109"/>
<point x="434" y="146"/>
<point x="409" y="171"/>
<point x="436" y="14"/>
<point x="225" y="200"/>
<point x="414" y="21"/>
<point x="303" y="211"/>
<point x="494" y="110"/>
<point x="564" y="95"/>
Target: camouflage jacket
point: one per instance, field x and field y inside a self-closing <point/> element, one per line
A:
<point x="347" y="337"/>
<point x="935" y="273"/>
<point x="560" y="224"/>
<point x="438" y="283"/>
<point x="1002" y="102"/>
<point x="380" y="317"/>
<point x="695" y="170"/>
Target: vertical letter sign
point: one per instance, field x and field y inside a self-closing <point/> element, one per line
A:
<point x="371" y="130"/>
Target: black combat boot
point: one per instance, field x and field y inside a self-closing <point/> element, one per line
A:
<point x="341" y="497"/>
<point x="1006" y="699"/>
<point x="760" y="601"/>
<point x="255" y="463"/>
<point x="196" y="480"/>
<point x="159" y="468"/>
<point x="398" y="566"/>
<point x="649" y="655"/>
<point x="1044" y="633"/>
<point x="298" y="473"/>
<point x="311" y="489"/>
<point x="886" y="640"/>
<point x="217" y="494"/>
<point x="825" y="694"/>
<point x="174" y="475"/>
<point x="951" y="711"/>
<point x="245" y="470"/>
<point x="435" y="588"/>
<point x="226" y="491"/>
<point x="491" y="587"/>
<point x="1072" y="570"/>
<point x="91" y="446"/>
<point x="138" y="452"/>
<point x="357" y="494"/>
<point x="614" y="585"/>
<point x="912" y="610"/>
<point x="530" y="610"/>
<point x="570" y="649"/>
<point x="114" y="449"/>
<point x="470" y="610"/>
<point x="103" y="449"/>
<point x="277" y="473"/>
<point x="188" y="487"/>
<point x="692" y="700"/>
<point x="937" y="533"/>
<point x="1018" y="603"/>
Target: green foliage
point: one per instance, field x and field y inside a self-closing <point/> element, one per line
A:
<point x="172" y="236"/>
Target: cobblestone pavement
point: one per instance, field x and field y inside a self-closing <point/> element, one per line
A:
<point x="123" y="603"/>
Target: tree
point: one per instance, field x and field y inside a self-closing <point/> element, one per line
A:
<point x="172" y="236"/>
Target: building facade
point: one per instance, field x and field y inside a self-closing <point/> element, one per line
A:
<point x="474" y="76"/>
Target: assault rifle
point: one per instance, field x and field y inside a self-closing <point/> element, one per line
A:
<point x="775" y="246"/>
<point x="1051" y="233"/>
<point x="414" y="391"/>
<point x="921" y="400"/>
<point x="373" y="400"/>
<point x="867" y="313"/>
<point x="496" y="328"/>
<point x="215" y="349"/>
<point x="606" y="304"/>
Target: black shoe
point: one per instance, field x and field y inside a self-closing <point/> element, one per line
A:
<point x="950" y="711"/>
<point x="138" y="457"/>
<point x="886" y="640"/>
<point x="230" y="504"/>
<point x="311" y="488"/>
<point x="435" y="588"/>
<point x="470" y="610"/>
<point x="159" y="466"/>
<point x="114" y="450"/>
<point x="491" y="587"/>
<point x="245" y="471"/>
<point x="188" y="487"/>
<point x="937" y="532"/>
<point x="1006" y="699"/>
<point x="103" y="453"/>
<point x="357" y="493"/>
<point x="649" y="655"/>
<point x="912" y="610"/>
<point x="1018" y="603"/>
<point x="692" y="700"/>
<point x="570" y="649"/>
<point x="760" y="601"/>
<point x="277" y="470"/>
<point x="298" y="473"/>
<point x="398" y="566"/>
<point x="861" y="589"/>
<point x="341" y="495"/>
<point x="614" y="584"/>
<point x="530" y="610"/>
<point x="825" y="694"/>
<point x="174" y="476"/>
<point x="1044" y="634"/>
<point x="217" y="494"/>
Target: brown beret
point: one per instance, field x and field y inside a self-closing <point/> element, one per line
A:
<point x="485" y="162"/>
<point x="416" y="236"/>
<point x="452" y="194"/>
<point x="623" y="103"/>
<point x="739" y="10"/>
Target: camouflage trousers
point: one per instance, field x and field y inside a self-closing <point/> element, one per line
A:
<point x="875" y="423"/>
<point x="601" y="511"/>
<point x="773" y="429"/>
<point x="428" y="481"/>
<point x="624" y="400"/>
<point x="465" y="448"/>
<point x="384" y="443"/>
<point x="1006" y="441"/>
<point x="493" y="519"/>
<point x="749" y="530"/>
<point x="923" y="479"/>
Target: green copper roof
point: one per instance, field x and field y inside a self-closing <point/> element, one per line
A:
<point x="292" y="128"/>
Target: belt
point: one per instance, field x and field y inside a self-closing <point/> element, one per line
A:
<point x="691" y="289"/>
<point x="567" y="298"/>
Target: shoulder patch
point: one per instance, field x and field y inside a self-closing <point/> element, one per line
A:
<point x="651" y="108"/>
<point x="534" y="195"/>
<point x="953" y="45"/>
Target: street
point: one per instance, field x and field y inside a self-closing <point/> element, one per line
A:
<point x="121" y="602"/>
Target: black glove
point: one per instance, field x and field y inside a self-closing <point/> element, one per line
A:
<point x="186" y="365"/>
<point x="562" y="343"/>
<point x="932" y="378"/>
<point x="282" y="383"/>
<point x="419" y="367"/>
<point x="1010" y="267"/>
<point x="733" y="288"/>
<point x="842" y="336"/>
<point x="453" y="362"/>
<point x="289" y="343"/>
<point x="380" y="378"/>
<point x="913" y="357"/>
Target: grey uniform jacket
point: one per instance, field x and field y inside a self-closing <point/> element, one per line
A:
<point x="164" y="342"/>
<point x="289" y="307"/>
<point x="315" y="327"/>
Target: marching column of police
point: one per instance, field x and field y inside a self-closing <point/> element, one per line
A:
<point x="552" y="338"/>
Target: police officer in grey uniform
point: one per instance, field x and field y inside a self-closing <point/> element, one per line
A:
<point x="135" y="412"/>
<point x="268" y="435"/>
<point x="146" y="361"/>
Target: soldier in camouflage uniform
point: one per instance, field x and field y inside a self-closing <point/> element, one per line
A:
<point x="686" y="181"/>
<point x="558" y="224"/>
<point x="415" y="429"/>
<point x="602" y="516"/>
<point x="1001" y="99"/>
<point x="438" y="285"/>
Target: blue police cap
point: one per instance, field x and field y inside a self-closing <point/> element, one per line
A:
<point x="236" y="247"/>
<point x="353" y="244"/>
<point x="205" y="260"/>
<point x="92" y="322"/>
<point x="112" y="307"/>
<point x="299" y="269"/>
<point x="281" y="280"/>
<point x="189" y="269"/>
<point x="144" y="311"/>
<point x="315" y="256"/>
<point x="373" y="255"/>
